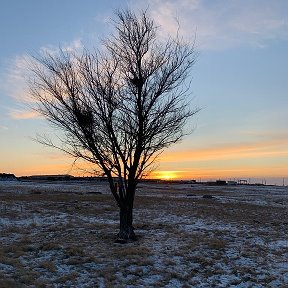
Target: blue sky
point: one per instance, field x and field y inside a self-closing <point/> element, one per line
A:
<point x="240" y="81"/>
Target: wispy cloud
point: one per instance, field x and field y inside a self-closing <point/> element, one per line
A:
<point x="15" y="78"/>
<point x="2" y="127"/>
<point x="223" y="24"/>
<point x="72" y="46"/>
<point x="13" y="82"/>
<point x="252" y="150"/>
<point x="20" y="114"/>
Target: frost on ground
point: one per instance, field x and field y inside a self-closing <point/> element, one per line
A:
<point x="62" y="235"/>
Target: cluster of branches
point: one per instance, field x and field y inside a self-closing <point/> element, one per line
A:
<point x="119" y="108"/>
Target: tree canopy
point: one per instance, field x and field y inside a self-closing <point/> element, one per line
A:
<point x="121" y="105"/>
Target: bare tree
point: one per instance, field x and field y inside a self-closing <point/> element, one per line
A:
<point x="118" y="108"/>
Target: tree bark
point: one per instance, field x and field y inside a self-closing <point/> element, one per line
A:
<point x="126" y="232"/>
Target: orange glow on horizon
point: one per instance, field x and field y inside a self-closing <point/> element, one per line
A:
<point x="243" y="160"/>
<point x="164" y="175"/>
<point x="221" y="173"/>
<point x="195" y="171"/>
<point x="231" y="152"/>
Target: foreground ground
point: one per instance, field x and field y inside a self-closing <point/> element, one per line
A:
<point x="62" y="235"/>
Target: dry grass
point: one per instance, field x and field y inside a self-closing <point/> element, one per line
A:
<point x="67" y="239"/>
<point x="48" y="265"/>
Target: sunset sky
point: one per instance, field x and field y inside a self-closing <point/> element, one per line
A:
<point x="240" y="81"/>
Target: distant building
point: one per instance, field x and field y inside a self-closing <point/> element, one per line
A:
<point x="221" y="182"/>
<point x="217" y="182"/>
<point x="231" y="182"/>
<point x="243" y="181"/>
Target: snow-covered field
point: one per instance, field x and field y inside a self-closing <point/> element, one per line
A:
<point x="61" y="234"/>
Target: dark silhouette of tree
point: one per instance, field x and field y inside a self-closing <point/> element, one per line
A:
<point x="118" y="107"/>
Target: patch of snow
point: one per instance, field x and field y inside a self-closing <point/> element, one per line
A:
<point x="6" y="268"/>
<point x="278" y="244"/>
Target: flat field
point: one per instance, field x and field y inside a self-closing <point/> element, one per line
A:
<point x="61" y="234"/>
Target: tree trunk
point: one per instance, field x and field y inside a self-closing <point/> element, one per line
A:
<point x="126" y="226"/>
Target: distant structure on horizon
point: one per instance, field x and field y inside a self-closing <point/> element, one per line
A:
<point x="47" y="177"/>
<point x="60" y="177"/>
<point x="7" y="176"/>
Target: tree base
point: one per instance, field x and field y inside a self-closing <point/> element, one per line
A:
<point x="125" y="236"/>
<point x="121" y="241"/>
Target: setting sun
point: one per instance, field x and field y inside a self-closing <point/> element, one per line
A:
<point x="165" y="175"/>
